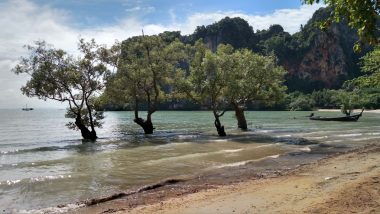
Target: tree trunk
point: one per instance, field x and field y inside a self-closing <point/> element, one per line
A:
<point x="86" y="134"/>
<point x="239" y="113"/>
<point x="147" y="125"/>
<point x="219" y="126"/>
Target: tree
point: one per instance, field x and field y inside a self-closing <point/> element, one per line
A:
<point x="205" y="84"/>
<point x="371" y="65"/>
<point x="370" y="81"/>
<point x="301" y="102"/>
<point x="145" y="70"/>
<point x="371" y="68"/>
<point x="56" y="75"/>
<point x="362" y="15"/>
<point x="252" y="77"/>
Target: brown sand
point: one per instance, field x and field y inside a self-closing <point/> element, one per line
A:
<point x="349" y="183"/>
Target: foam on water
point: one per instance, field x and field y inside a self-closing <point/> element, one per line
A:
<point x="274" y="156"/>
<point x="34" y="179"/>
<point x="240" y="163"/>
<point x="305" y="149"/>
<point x="190" y="156"/>
<point x="52" y="210"/>
<point x="350" y="135"/>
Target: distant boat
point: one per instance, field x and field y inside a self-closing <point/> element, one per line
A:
<point x="346" y="118"/>
<point x="26" y="108"/>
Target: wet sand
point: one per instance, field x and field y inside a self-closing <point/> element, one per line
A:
<point x="340" y="183"/>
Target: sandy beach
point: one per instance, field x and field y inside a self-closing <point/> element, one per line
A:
<point x="342" y="183"/>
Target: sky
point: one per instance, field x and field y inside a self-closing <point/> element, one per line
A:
<point x="63" y="22"/>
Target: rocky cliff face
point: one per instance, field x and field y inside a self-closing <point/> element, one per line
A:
<point x="328" y="59"/>
<point x="315" y="59"/>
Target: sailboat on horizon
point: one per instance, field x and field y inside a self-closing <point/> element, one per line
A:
<point x="26" y="108"/>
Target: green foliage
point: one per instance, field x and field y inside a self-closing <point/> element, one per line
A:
<point x="300" y="102"/>
<point x="146" y="67"/>
<point x="371" y="66"/>
<point x="230" y="76"/>
<point x="253" y="77"/>
<point x="343" y="99"/>
<point x="324" y="98"/>
<point x="207" y="79"/>
<point x="233" y="31"/>
<point x="56" y="75"/>
<point x="362" y="15"/>
<point x="368" y="86"/>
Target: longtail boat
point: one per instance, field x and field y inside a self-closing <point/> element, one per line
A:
<point x="346" y="118"/>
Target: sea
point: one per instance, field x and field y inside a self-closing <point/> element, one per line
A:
<point x="43" y="164"/>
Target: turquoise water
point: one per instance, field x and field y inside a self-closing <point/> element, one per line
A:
<point x="44" y="164"/>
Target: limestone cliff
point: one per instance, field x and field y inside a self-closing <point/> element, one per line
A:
<point x="315" y="59"/>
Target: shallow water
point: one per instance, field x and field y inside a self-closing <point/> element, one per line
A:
<point x="43" y="164"/>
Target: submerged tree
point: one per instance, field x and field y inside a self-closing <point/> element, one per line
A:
<point x="229" y="78"/>
<point x="206" y="83"/>
<point x="56" y="75"/>
<point x="145" y="70"/>
<point x="252" y="77"/>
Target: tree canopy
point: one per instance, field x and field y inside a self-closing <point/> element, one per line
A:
<point x="56" y="75"/>
<point x="146" y="67"/>
<point x="362" y="15"/>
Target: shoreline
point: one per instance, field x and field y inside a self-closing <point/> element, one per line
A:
<point x="377" y="111"/>
<point x="175" y="194"/>
<point x="339" y="184"/>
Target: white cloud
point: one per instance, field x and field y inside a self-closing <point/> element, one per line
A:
<point x="23" y="22"/>
<point x="148" y="9"/>
<point x="289" y="19"/>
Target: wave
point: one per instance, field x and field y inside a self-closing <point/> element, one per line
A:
<point x="305" y="149"/>
<point x="350" y="135"/>
<point x="281" y="136"/>
<point x="38" y="149"/>
<point x="365" y="138"/>
<point x="317" y="137"/>
<point x="242" y="163"/>
<point x="296" y="141"/>
<point x="189" y="156"/>
<point x="59" y="209"/>
<point x="274" y="156"/>
<point x="33" y="180"/>
<point x="230" y="150"/>
<point x="373" y="133"/>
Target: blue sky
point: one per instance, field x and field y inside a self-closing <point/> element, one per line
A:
<point x="63" y="22"/>
<point x="87" y="13"/>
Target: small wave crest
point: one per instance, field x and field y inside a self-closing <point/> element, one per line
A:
<point x="296" y="141"/>
<point x="50" y="210"/>
<point x="242" y="163"/>
<point x="230" y="150"/>
<point x="305" y="149"/>
<point x="350" y="135"/>
<point x="189" y="156"/>
<point x="274" y="156"/>
<point x="34" y="179"/>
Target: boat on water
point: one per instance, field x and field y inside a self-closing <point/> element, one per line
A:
<point x="345" y="118"/>
<point x="26" y="108"/>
